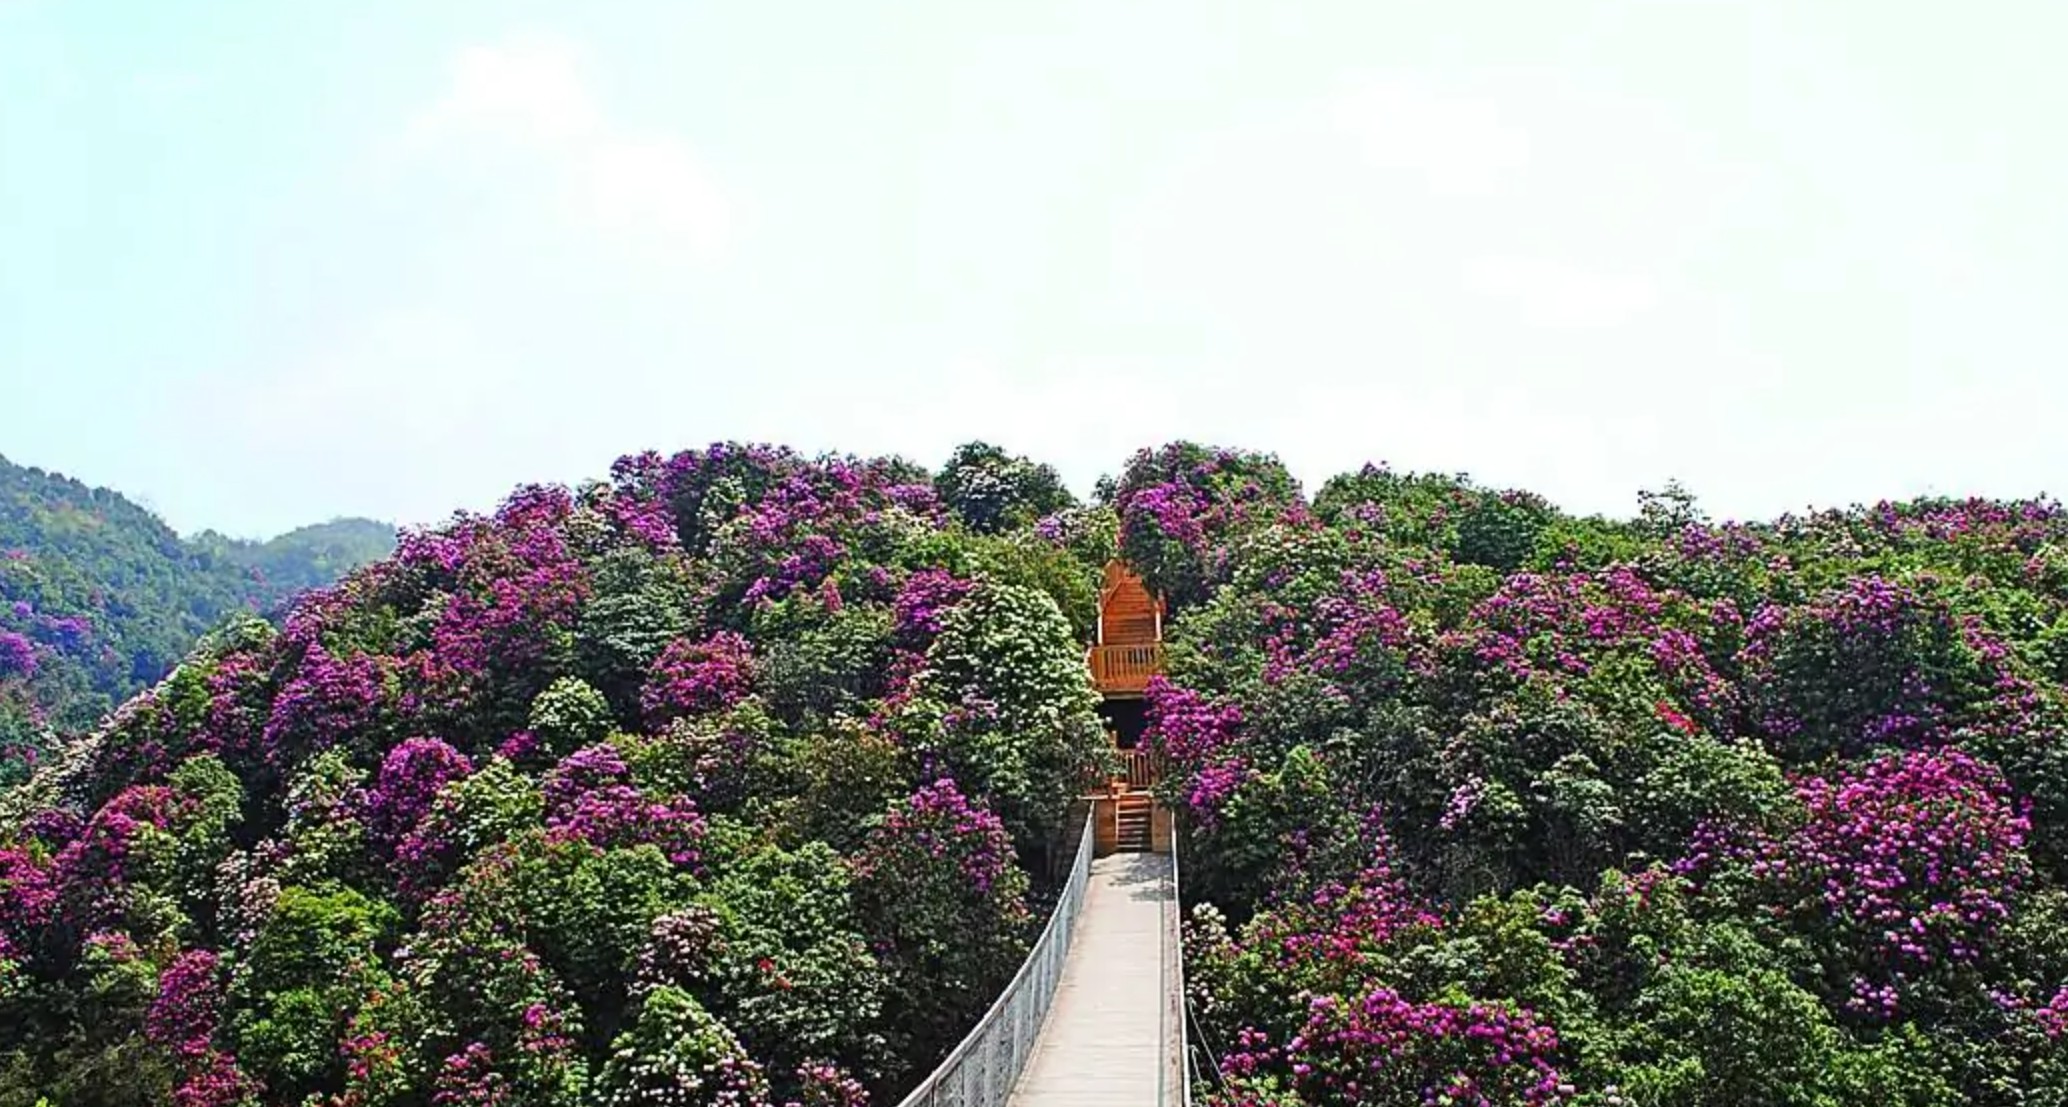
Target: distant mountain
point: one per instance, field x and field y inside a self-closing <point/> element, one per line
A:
<point x="306" y="557"/>
<point x="98" y="597"/>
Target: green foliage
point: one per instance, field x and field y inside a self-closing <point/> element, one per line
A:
<point x="1008" y="705"/>
<point x="1028" y="562"/>
<point x="828" y="666"/>
<point x="794" y="976"/>
<point x="643" y="603"/>
<point x="677" y="1052"/>
<point x="570" y="714"/>
<point x="845" y="779"/>
<point x="993" y="491"/>
<point x="311" y="960"/>
<point x="1276" y="828"/>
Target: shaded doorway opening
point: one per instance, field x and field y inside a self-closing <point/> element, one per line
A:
<point x="1126" y="719"/>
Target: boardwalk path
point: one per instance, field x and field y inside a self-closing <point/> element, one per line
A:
<point x="1102" y="1045"/>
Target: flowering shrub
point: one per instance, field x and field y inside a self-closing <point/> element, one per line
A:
<point x="1381" y="1048"/>
<point x="923" y="602"/>
<point x="580" y="801"/>
<point x="411" y="775"/>
<point x="326" y="700"/>
<point x="590" y="798"/>
<point x="991" y="491"/>
<point x="182" y="1020"/>
<point x="677" y="1053"/>
<point x="1181" y="505"/>
<point x="1006" y="705"/>
<point x="698" y="677"/>
<point x="1843" y="730"/>
<point x="937" y="885"/>
<point x="1872" y="663"/>
<point x="17" y="655"/>
<point x="1905" y="867"/>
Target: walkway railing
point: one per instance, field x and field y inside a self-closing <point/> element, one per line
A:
<point x="1175" y="1075"/>
<point x="983" y="1068"/>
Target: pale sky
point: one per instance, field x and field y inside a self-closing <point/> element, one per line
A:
<point x="265" y="263"/>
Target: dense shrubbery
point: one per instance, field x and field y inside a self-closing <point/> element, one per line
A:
<point x="98" y="598"/>
<point x="1489" y="804"/>
<point x="718" y="782"/>
<point x="723" y="781"/>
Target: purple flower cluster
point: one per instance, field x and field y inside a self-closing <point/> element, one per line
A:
<point x="92" y="869"/>
<point x="1185" y="726"/>
<point x="698" y="677"/>
<point x="327" y="700"/>
<point x="183" y="1016"/>
<point x="1908" y="862"/>
<point x="410" y="778"/>
<point x="1343" y="630"/>
<point x="1874" y="662"/>
<point x="182" y="1020"/>
<point x="1330" y="937"/>
<point x="1383" y="1048"/>
<point x="590" y="798"/>
<point x="1198" y="737"/>
<point x="1180" y="505"/>
<point x="942" y="823"/>
<point x="824" y="1084"/>
<point x="922" y="604"/>
<point x="516" y="586"/>
<point x="2053" y="1018"/>
<point x="28" y="893"/>
<point x="17" y="655"/>
<point x="469" y="1078"/>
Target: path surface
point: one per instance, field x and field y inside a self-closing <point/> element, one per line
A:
<point x="1102" y="1043"/>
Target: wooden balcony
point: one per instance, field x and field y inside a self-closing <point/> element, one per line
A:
<point x="1125" y="670"/>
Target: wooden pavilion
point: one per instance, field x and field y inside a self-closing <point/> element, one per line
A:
<point x="1129" y="647"/>
<point x="1127" y="651"/>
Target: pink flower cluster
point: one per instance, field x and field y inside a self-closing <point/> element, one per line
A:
<point x="590" y="797"/>
<point x="182" y="1020"/>
<point x="1908" y="862"/>
<point x="696" y="677"/>
<point x="1383" y="1048"/>
<point x="922" y="604"/>
<point x="410" y="778"/>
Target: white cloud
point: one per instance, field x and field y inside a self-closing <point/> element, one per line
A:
<point x="530" y="94"/>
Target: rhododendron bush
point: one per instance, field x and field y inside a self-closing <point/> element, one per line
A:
<point x="727" y="780"/>
<point x="1487" y="804"/>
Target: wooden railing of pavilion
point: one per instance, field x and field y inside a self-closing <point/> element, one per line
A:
<point x="1140" y="768"/>
<point x="1125" y="670"/>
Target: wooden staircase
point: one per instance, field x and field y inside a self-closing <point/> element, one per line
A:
<point x="1133" y="813"/>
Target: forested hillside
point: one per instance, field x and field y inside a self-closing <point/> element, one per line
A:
<point x="98" y="597"/>
<point x="1489" y="804"/>
<point x="739" y="778"/>
<point x="732" y="779"/>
